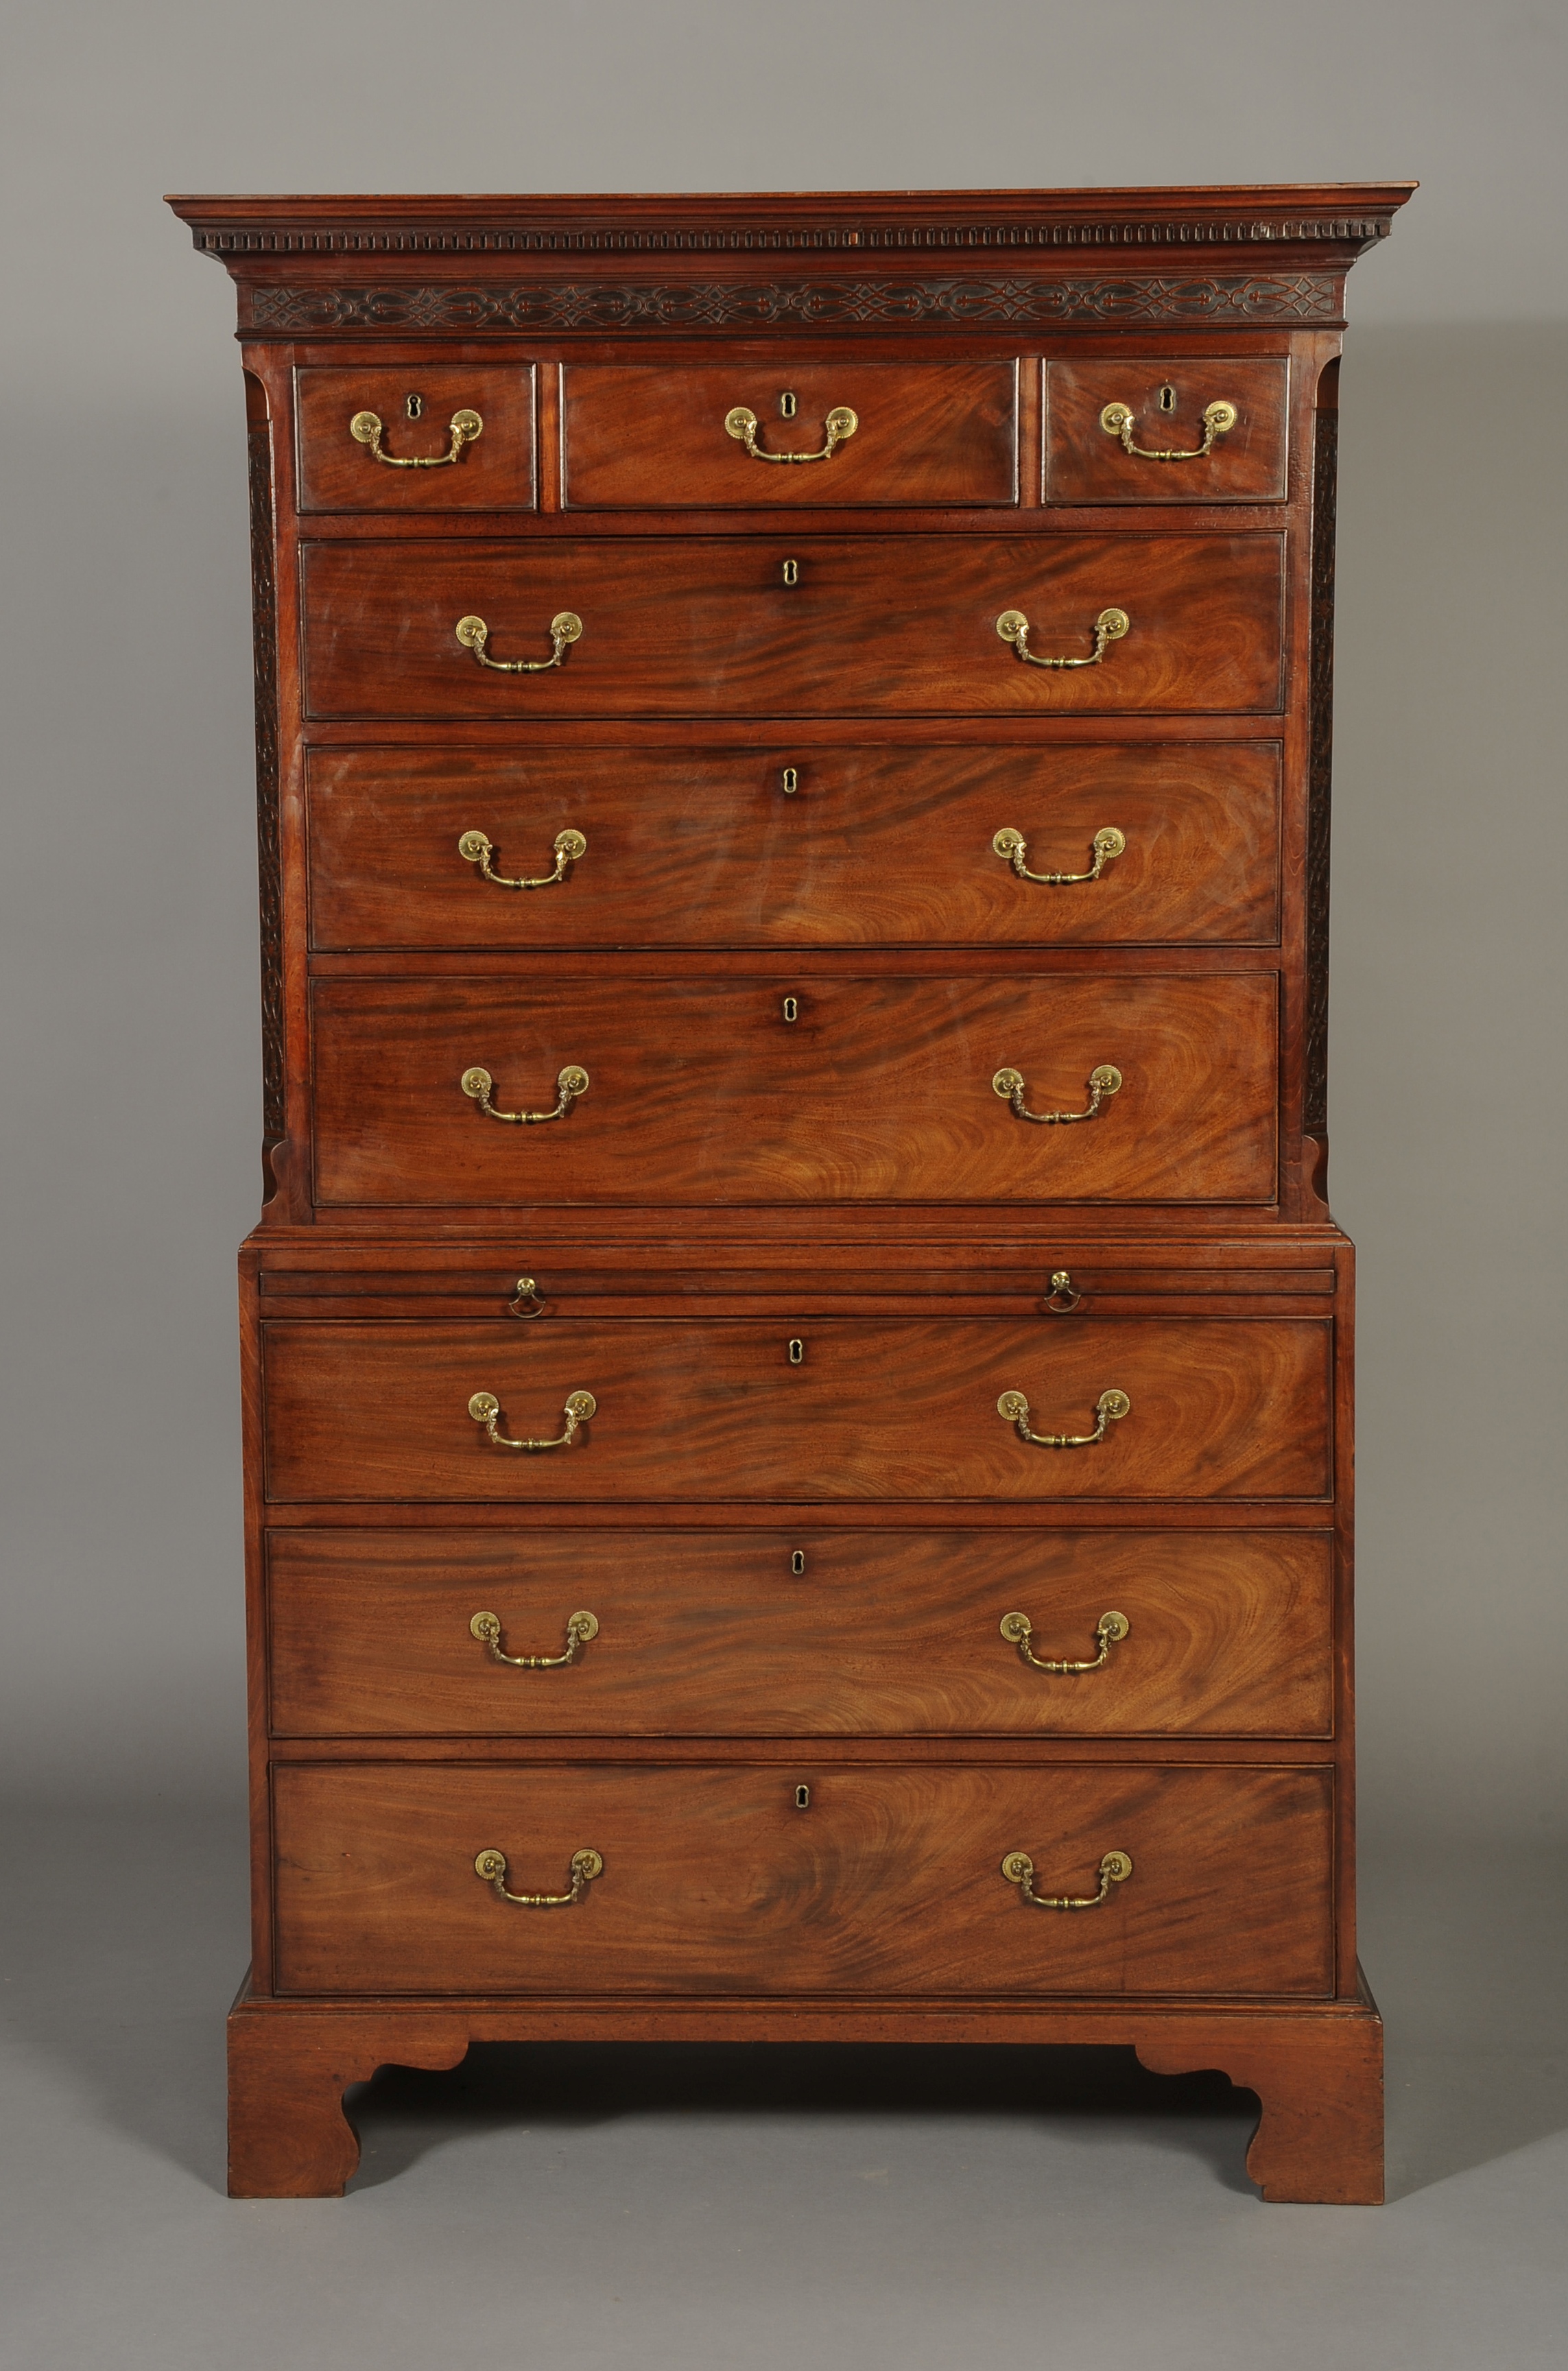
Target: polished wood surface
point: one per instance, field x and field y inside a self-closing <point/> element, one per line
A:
<point x="888" y="1881"/>
<point x="875" y="626"/>
<point x="939" y="434"/>
<point x="873" y="846"/>
<point x="495" y="472"/>
<point x="881" y="1632"/>
<point x="884" y="1409"/>
<point x="880" y="1089"/>
<point x="1085" y="464"/>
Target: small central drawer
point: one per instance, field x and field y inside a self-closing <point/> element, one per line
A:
<point x="834" y="1407"/>
<point x="888" y="1880"/>
<point x="789" y="435"/>
<point x="798" y="1633"/>
<point x="821" y="1090"/>
<point x="765" y="625"/>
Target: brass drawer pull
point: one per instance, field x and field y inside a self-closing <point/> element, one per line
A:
<point x="1013" y="1408"/>
<point x="1019" y="1870"/>
<point x="366" y="429"/>
<point x="841" y="425"/>
<point x="1017" y="1629"/>
<point x="1008" y="844"/>
<point x="527" y="1301"/>
<point x="1109" y="627"/>
<point x="1219" y="419"/>
<point x="1064" y="1296"/>
<point x="1104" y="1080"/>
<point x="485" y="1409"/>
<point x="571" y="1082"/>
<point x="580" y="1628"/>
<point x="586" y="1866"/>
<point x="569" y="846"/>
<point x="565" y="628"/>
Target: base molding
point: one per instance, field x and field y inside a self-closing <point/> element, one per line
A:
<point x="1316" y="2067"/>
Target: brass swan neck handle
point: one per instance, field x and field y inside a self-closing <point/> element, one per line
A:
<point x="485" y="1409"/>
<point x="580" y="1628"/>
<point x="475" y="848"/>
<point x="1017" y="1629"/>
<point x="1105" y="1080"/>
<point x="839" y="427"/>
<point x="1109" y="627"/>
<point x="1118" y="420"/>
<point x="1018" y="1869"/>
<point x="1010" y="845"/>
<point x="366" y="429"/>
<point x="1109" y="1408"/>
<point x="571" y="1082"/>
<point x="565" y="628"/>
<point x="586" y="1866"/>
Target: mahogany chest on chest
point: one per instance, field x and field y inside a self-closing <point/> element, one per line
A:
<point x="797" y="1364"/>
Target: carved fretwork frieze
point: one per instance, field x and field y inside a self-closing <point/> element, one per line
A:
<point x="1228" y="299"/>
<point x="1326" y="450"/>
<point x="264" y="628"/>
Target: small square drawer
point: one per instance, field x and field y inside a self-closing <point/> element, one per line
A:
<point x="416" y="436"/>
<point x="789" y="435"/>
<point x="1171" y="429"/>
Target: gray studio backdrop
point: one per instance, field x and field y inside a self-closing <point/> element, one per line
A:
<point x="129" y="1016"/>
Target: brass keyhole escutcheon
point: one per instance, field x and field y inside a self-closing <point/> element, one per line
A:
<point x="797" y="1562"/>
<point x="792" y="1008"/>
<point x="796" y="1351"/>
<point x="803" y="1798"/>
<point x="790" y="780"/>
<point x="1168" y="398"/>
<point x="413" y="406"/>
<point x="792" y="572"/>
<point x="787" y="405"/>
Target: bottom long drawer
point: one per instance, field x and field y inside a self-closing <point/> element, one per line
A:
<point x="718" y="1879"/>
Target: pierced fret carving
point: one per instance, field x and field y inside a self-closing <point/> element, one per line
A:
<point x="264" y="634"/>
<point x="1325" y="464"/>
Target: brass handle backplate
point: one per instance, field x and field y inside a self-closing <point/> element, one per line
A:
<point x="586" y="1866"/>
<point x="565" y="628"/>
<point x="485" y="1409"/>
<point x="1109" y="1408"/>
<point x="1010" y="845"/>
<point x="1019" y="1870"/>
<point x="1118" y="420"/>
<point x="1017" y="1629"/>
<point x="569" y="846"/>
<point x="571" y="1082"/>
<point x="1109" y="627"/>
<point x="840" y="426"/>
<point x="580" y="1628"/>
<point x="366" y="429"/>
<point x="1105" y="1080"/>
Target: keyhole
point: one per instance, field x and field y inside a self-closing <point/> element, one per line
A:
<point x="786" y="406"/>
<point x="797" y="1562"/>
<point x="792" y="1008"/>
<point x="1168" y="398"/>
<point x="796" y="1351"/>
<point x="790" y="777"/>
<point x="803" y="1798"/>
<point x="792" y="572"/>
<point x="414" y="405"/>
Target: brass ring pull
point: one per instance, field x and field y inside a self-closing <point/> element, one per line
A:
<point x="1019" y="1870"/>
<point x="841" y="425"/>
<point x="366" y="429"/>
<point x="1109" y="627"/>
<point x="1219" y="419"/>
<point x="569" y="846"/>
<point x="1105" y="1080"/>
<point x="485" y="1409"/>
<point x="1109" y="844"/>
<point x="1109" y="1408"/>
<point x="586" y="1866"/>
<point x="571" y="1082"/>
<point x="1017" y="1629"/>
<point x="565" y="628"/>
<point x="580" y="1628"/>
<point x="527" y="1301"/>
<point x="1063" y="1295"/>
